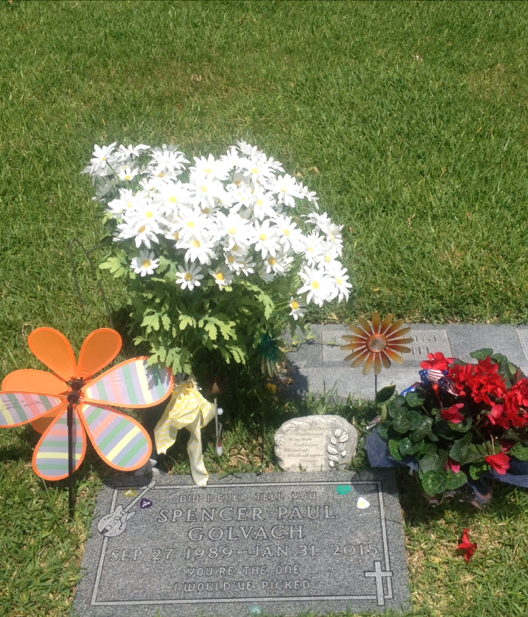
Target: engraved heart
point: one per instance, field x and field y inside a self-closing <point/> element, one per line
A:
<point x="145" y="503"/>
<point x="255" y="610"/>
<point x="344" y="489"/>
<point x="362" y="504"/>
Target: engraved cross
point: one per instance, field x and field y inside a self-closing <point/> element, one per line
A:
<point x="378" y="575"/>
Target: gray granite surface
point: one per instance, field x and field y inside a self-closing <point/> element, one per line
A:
<point x="246" y="545"/>
<point x="318" y="364"/>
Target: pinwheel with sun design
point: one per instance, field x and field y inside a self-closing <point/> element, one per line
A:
<point x="376" y="344"/>
<point x="68" y="405"/>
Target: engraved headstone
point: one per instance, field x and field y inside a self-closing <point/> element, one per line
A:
<point x="267" y="544"/>
<point x="315" y="443"/>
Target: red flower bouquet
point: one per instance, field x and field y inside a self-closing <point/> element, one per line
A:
<point x="463" y="422"/>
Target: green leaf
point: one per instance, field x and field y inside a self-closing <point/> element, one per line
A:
<point x="520" y="451"/>
<point x="383" y="430"/>
<point x="455" y="480"/>
<point x="415" y="419"/>
<point x="186" y="320"/>
<point x="414" y="399"/>
<point x="405" y="445"/>
<point x="481" y="354"/>
<point x="477" y="470"/>
<point x="385" y="393"/>
<point x="434" y="482"/>
<point x="165" y="320"/>
<point x="463" y="451"/>
<point x="423" y="428"/>
<point x="416" y="448"/>
<point x="401" y="421"/>
<point x="434" y="460"/>
<point x="394" y="448"/>
<point x="396" y="404"/>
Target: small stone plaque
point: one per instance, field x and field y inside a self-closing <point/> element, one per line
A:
<point x="247" y="545"/>
<point x="315" y="443"/>
<point x="424" y="342"/>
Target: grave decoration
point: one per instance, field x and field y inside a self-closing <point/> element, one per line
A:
<point x="376" y="344"/>
<point x="69" y="404"/>
<point x="219" y="256"/>
<point x="188" y="409"/>
<point x="462" y="424"/>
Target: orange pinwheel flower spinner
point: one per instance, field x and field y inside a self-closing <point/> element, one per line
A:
<point x="377" y="343"/>
<point x="43" y="398"/>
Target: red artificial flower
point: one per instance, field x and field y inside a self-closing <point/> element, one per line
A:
<point x="437" y="362"/>
<point x="482" y="380"/>
<point x="500" y="462"/>
<point x="453" y="414"/>
<point x="452" y="465"/>
<point x="516" y="403"/>
<point x="466" y="545"/>
<point x="498" y="416"/>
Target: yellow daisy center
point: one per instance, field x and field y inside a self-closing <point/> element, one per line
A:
<point x="231" y="259"/>
<point x="142" y="229"/>
<point x="272" y="261"/>
<point x="197" y="244"/>
<point x="255" y="170"/>
<point x="204" y="189"/>
<point x="208" y="171"/>
<point x="260" y="202"/>
<point x="128" y="177"/>
<point x="220" y="276"/>
<point x="188" y="276"/>
<point x="191" y="224"/>
<point x="316" y="285"/>
<point x="328" y="259"/>
<point x="232" y="231"/>
<point x="294" y="305"/>
<point x="149" y="214"/>
<point x="263" y="237"/>
<point x="339" y="281"/>
<point x="173" y="199"/>
<point x="146" y="263"/>
<point x="287" y="232"/>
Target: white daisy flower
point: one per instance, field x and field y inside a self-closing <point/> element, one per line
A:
<point x="126" y="173"/>
<point x="235" y="230"/>
<point x="286" y="189"/>
<point x="189" y="277"/>
<point x="290" y="236"/>
<point x="198" y="248"/>
<point x="340" y="280"/>
<point x="145" y="263"/>
<point x="100" y="159"/>
<point x="209" y="168"/>
<point x="266" y="238"/>
<point x="317" y="286"/>
<point x="297" y="309"/>
<point x="124" y="153"/>
<point x="222" y="276"/>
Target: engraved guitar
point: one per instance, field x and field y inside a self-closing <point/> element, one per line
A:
<point x="113" y="524"/>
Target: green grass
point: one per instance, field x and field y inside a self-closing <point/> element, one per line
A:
<point x="411" y="122"/>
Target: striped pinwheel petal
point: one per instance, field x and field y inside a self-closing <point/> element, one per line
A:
<point x="50" y="459"/>
<point x="131" y="384"/>
<point x="120" y="440"/>
<point x="18" y="408"/>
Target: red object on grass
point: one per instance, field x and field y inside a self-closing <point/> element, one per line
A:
<point x="466" y="545"/>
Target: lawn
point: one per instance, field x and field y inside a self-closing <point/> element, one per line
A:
<point x="410" y="120"/>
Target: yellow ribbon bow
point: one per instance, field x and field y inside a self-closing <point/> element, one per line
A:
<point x="188" y="409"/>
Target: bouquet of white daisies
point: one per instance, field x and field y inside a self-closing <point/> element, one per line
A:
<point x="219" y="255"/>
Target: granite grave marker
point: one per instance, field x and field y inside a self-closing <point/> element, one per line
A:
<point x="247" y="545"/>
